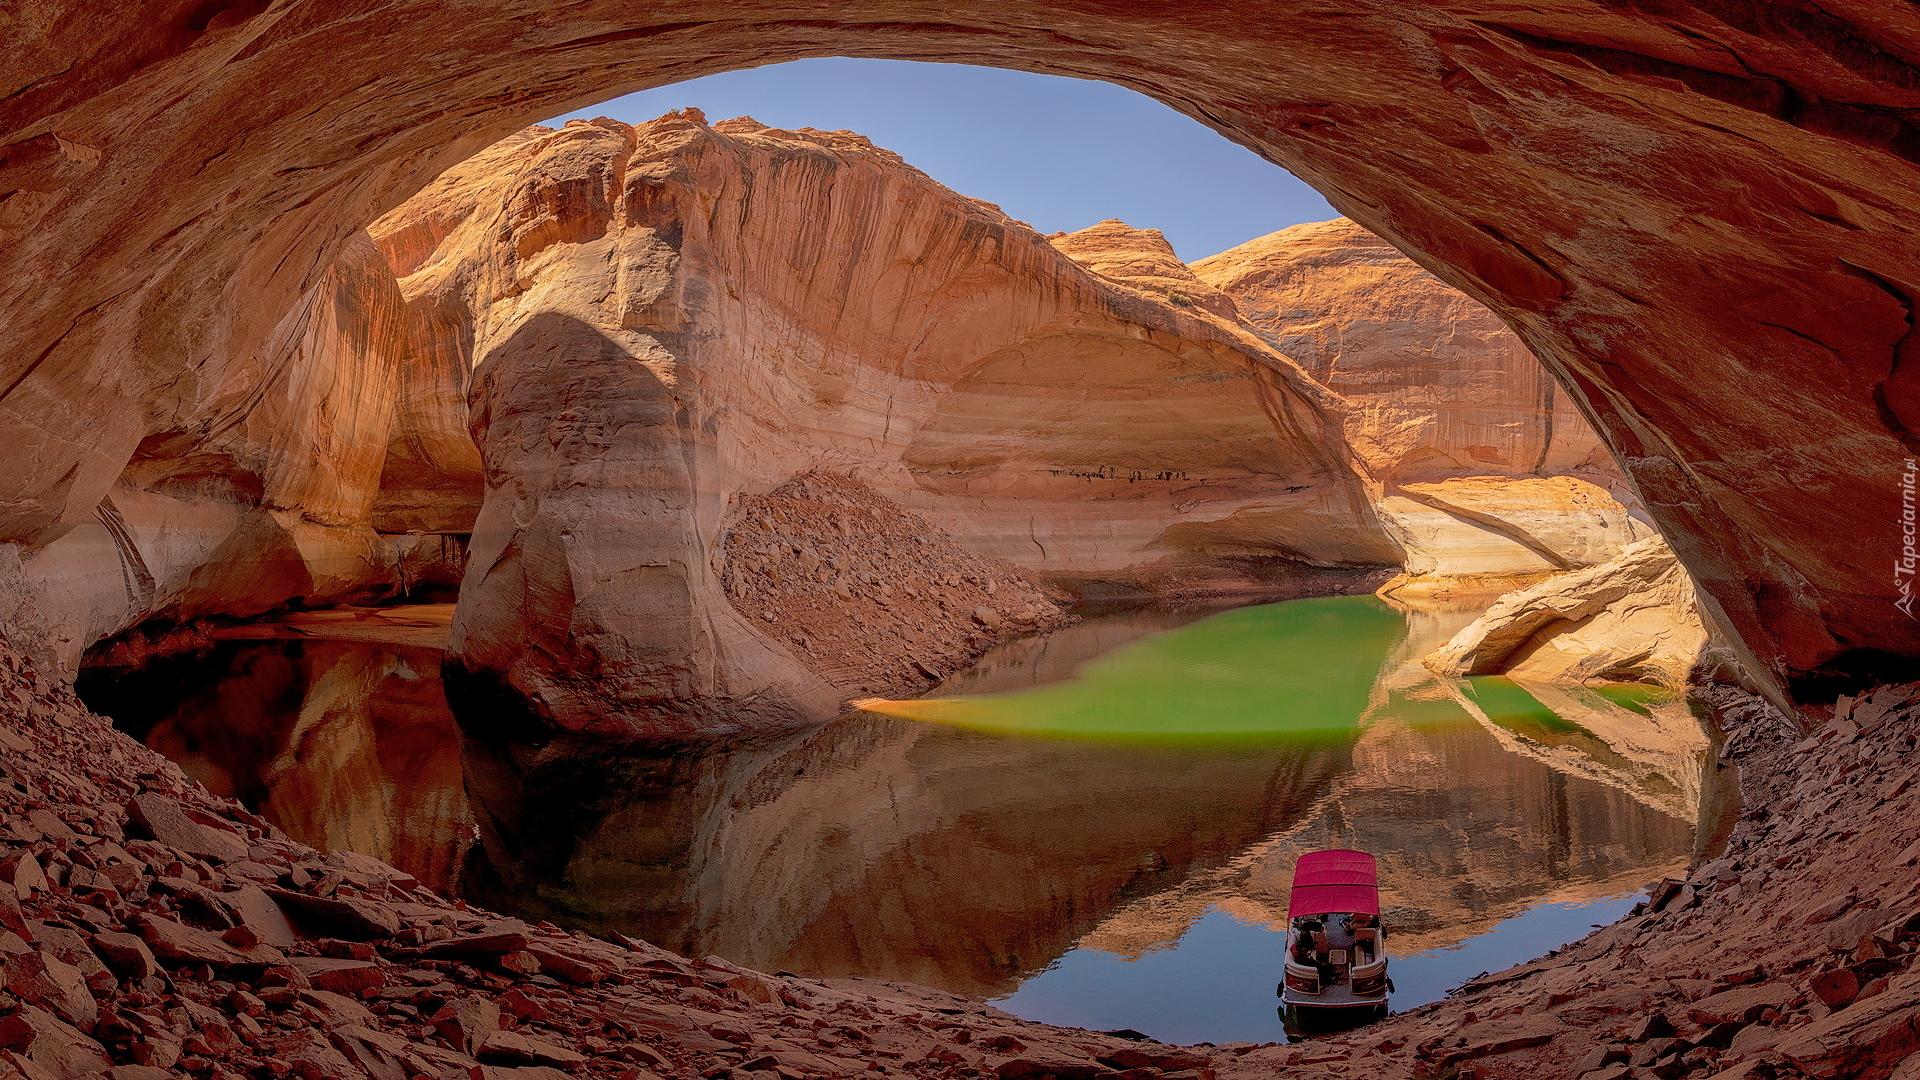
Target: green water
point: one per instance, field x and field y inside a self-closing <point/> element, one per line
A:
<point x="1508" y="704"/>
<point x="1635" y="696"/>
<point x="1305" y="667"/>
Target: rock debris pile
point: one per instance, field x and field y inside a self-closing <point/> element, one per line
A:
<point x="871" y="596"/>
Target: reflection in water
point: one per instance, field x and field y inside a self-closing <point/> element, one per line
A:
<point x="877" y="845"/>
<point x="976" y="855"/>
<point x="346" y="746"/>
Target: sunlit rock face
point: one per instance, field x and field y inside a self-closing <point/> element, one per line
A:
<point x="1632" y="617"/>
<point x="1440" y="386"/>
<point x="258" y="492"/>
<point x="1486" y="466"/>
<point x="663" y="318"/>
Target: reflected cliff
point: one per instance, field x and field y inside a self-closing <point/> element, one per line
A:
<point x="877" y="845"/>
<point x="345" y="745"/>
<point x="972" y="854"/>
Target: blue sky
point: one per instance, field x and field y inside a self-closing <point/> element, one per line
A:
<point x="1056" y="153"/>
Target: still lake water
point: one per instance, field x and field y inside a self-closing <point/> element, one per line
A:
<point x="1096" y="827"/>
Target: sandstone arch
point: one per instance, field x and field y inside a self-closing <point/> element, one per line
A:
<point x="1694" y="212"/>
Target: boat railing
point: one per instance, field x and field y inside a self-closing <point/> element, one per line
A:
<point x="1301" y="979"/>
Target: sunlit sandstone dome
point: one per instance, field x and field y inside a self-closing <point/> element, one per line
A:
<point x="604" y="338"/>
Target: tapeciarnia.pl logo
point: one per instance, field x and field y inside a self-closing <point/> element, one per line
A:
<point x="1903" y="568"/>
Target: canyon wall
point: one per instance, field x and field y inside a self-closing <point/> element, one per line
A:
<point x="1486" y="468"/>
<point x="1084" y="407"/>
<point x="645" y="356"/>
<point x="1694" y="217"/>
<point x="1488" y="475"/>
<point x="258" y="492"/>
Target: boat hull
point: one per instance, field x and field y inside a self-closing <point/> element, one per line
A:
<point x="1333" y="997"/>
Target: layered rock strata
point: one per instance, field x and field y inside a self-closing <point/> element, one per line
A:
<point x="1632" y="619"/>
<point x="256" y="494"/>
<point x="1439" y="385"/>
<point x="644" y="352"/>
<point x="1486" y="469"/>
<point x="1136" y="436"/>
<point x="1693" y="215"/>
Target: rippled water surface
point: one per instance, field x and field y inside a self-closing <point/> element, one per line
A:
<point x="1095" y="827"/>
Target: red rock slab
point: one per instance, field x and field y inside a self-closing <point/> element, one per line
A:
<point x="1056" y="1065"/>
<point x="467" y="1022"/>
<point x="565" y="967"/>
<point x="525" y="1072"/>
<point x="51" y="1044"/>
<point x="500" y="939"/>
<point x="51" y="984"/>
<point x="350" y="977"/>
<point x="178" y="943"/>
<point x="1156" y="1057"/>
<point x="513" y="1048"/>
<point x="262" y="915"/>
<point x="22" y="871"/>
<point x="161" y="819"/>
<point x="125" y="954"/>
<point x="355" y="920"/>
<point x="1490" y="1037"/>
<point x="1743" y="1005"/>
<point x="1866" y="1036"/>
<point x="336" y="1010"/>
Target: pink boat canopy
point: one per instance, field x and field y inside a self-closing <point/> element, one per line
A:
<point x="1337" y="880"/>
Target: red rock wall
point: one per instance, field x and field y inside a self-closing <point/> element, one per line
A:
<point x="669" y="318"/>
<point x="258" y="493"/>
<point x="1441" y="388"/>
<point x="1695" y="217"/>
<point x="1488" y="471"/>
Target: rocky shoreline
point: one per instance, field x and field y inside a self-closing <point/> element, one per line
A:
<point x="152" y="929"/>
